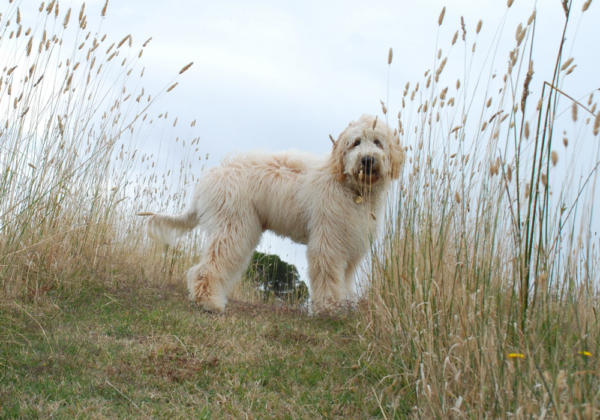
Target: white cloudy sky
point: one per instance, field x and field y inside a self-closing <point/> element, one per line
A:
<point x="278" y="75"/>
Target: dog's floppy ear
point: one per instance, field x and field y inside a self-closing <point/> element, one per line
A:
<point x="396" y="157"/>
<point x="337" y="160"/>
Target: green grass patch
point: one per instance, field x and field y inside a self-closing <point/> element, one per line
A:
<point x="125" y="351"/>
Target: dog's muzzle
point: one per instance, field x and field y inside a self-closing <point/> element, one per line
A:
<point x="368" y="170"/>
<point x="367" y="164"/>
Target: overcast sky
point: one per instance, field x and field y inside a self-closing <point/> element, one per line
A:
<point x="280" y="75"/>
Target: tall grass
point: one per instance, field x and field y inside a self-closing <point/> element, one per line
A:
<point x="485" y="286"/>
<point x="73" y="109"/>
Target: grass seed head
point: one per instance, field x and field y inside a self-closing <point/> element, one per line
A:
<point x="390" y="56"/>
<point x="520" y="34"/>
<point x="597" y="124"/>
<point x="494" y="168"/>
<point x="526" y="83"/>
<point x="554" y="157"/>
<point x="128" y="37"/>
<point x="574" y="111"/>
<point x="566" y="63"/>
<point x="184" y="68"/>
<point x="443" y="93"/>
<point x="442" y="14"/>
<point x="81" y="12"/>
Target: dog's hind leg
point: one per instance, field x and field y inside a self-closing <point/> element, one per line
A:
<point x="225" y="258"/>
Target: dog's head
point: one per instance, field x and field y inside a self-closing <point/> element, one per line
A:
<point x="367" y="153"/>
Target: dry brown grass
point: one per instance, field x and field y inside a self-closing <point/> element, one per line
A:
<point x="72" y="175"/>
<point x="485" y="290"/>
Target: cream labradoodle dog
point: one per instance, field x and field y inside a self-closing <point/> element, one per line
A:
<point x="331" y="204"/>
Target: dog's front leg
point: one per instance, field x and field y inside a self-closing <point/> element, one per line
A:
<point x="327" y="268"/>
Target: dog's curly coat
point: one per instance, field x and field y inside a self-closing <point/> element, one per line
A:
<point x="330" y="204"/>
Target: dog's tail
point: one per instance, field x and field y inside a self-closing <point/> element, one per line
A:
<point x="166" y="229"/>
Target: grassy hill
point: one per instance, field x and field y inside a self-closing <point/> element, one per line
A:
<point x="130" y="350"/>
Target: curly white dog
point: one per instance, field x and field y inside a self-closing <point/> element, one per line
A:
<point x="330" y="204"/>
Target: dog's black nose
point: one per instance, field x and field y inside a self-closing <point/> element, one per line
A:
<point x="368" y="163"/>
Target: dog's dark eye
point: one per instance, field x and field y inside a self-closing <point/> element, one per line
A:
<point x="378" y="143"/>
<point x="356" y="143"/>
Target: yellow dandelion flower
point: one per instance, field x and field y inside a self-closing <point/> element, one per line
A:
<point x="516" y="355"/>
<point x="585" y="353"/>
